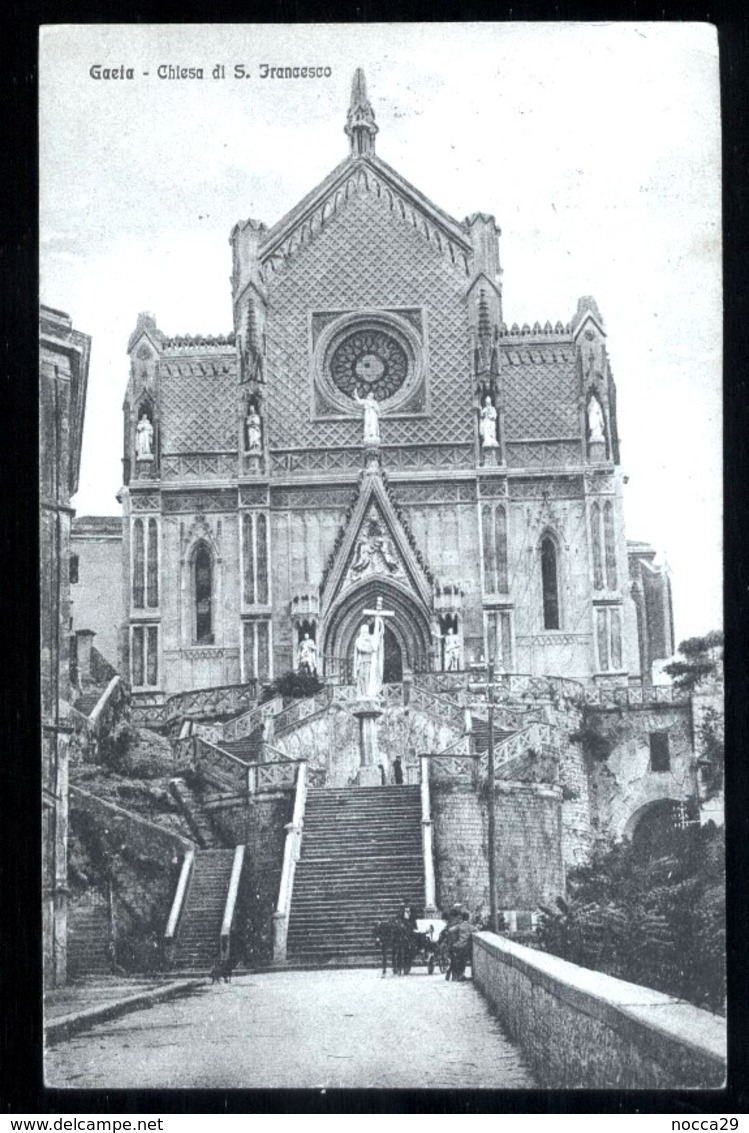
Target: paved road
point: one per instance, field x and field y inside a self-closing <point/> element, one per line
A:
<point x="304" y="1029"/>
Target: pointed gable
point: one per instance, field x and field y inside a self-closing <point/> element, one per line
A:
<point x="376" y="543"/>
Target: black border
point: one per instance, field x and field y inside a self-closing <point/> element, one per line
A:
<point x="21" y="1089"/>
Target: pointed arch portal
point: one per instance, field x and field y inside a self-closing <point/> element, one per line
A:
<point x="407" y="633"/>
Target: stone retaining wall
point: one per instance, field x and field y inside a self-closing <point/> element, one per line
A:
<point x="581" y="1029"/>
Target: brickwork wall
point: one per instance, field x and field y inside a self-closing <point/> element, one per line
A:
<point x="623" y="784"/>
<point x="582" y="1029"/>
<point x="529" y="849"/>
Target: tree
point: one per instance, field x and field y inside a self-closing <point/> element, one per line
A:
<point x="702" y="656"/>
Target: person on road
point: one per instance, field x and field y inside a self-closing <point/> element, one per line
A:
<point x="460" y="946"/>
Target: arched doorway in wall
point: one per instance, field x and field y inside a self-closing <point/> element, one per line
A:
<point x="649" y="827"/>
<point x="407" y="631"/>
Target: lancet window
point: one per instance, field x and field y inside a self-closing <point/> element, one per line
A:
<point x="603" y="543"/>
<point x="550" y="582"/>
<point x="494" y="538"/>
<point x="255" y="558"/>
<point x="144" y="656"/>
<point x="609" y="638"/>
<point x="499" y="639"/>
<point x="145" y="560"/>
<point x="203" y="595"/>
<point x="256" y="649"/>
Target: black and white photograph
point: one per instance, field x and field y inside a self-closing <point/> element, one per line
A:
<point x="381" y="557"/>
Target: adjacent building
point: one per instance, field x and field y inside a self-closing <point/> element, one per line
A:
<point x="63" y="377"/>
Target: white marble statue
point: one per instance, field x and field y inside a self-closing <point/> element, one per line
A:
<point x="307" y="659"/>
<point x="488" y="426"/>
<point x="371" y="418"/>
<point x="452" y="652"/>
<point x="595" y="420"/>
<point x="254" y="434"/>
<point x="364" y="650"/>
<point x="144" y="438"/>
<point x="369" y="653"/>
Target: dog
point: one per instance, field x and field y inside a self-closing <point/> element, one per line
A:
<point x="222" y="971"/>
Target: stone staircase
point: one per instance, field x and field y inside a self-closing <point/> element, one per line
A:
<point x="194" y="814"/>
<point x="88" y="937"/>
<point x="247" y="748"/>
<point x="361" y="858"/>
<point x="198" y="937"/>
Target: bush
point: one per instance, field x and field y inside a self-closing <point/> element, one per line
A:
<point x="292" y="686"/>
<point x="653" y="920"/>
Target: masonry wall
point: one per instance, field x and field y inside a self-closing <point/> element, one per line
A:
<point x="259" y="824"/>
<point x="143" y="862"/>
<point x="529" y="862"/>
<point x="585" y="1030"/>
<point x="622" y="785"/>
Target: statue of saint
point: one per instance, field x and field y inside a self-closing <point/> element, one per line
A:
<point x="254" y="434"/>
<point x="596" y="424"/>
<point x="488" y="426"/>
<point x="371" y="417"/>
<point x="369" y="654"/>
<point x="307" y="659"/>
<point x="452" y="652"/>
<point x="144" y="439"/>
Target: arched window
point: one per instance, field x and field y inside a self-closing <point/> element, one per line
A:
<point x="203" y="572"/>
<point x="139" y="565"/>
<point x="255" y="556"/>
<point x="152" y="574"/>
<point x="550" y="583"/>
<point x="494" y="536"/>
<point x="595" y="533"/>
<point x="610" y="543"/>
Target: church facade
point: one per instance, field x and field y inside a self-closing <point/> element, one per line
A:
<point x="373" y="429"/>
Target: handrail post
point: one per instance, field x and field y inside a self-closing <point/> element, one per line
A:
<point x="175" y="912"/>
<point x="427" y="843"/>
<point x="231" y="901"/>
<point x="291" y="852"/>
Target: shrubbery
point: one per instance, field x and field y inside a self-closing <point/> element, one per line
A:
<point x="292" y="686"/>
<point x="657" y="920"/>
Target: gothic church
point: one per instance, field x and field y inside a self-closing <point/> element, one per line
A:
<point x="484" y="508"/>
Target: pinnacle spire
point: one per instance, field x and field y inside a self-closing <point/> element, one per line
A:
<point x="360" y="120"/>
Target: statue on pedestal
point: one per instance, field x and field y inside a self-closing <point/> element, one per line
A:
<point x="144" y="439"/>
<point x="488" y="425"/>
<point x="596" y="425"/>
<point x="451" y="662"/>
<point x="307" y="658"/>
<point x="369" y="654"/>
<point x="254" y="431"/>
<point x="371" y="417"/>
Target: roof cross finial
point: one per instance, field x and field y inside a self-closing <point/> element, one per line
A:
<point x="360" y="120"/>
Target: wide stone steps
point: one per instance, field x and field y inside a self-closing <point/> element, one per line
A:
<point x="198" y="938"/>
<point x="361" y="859"/>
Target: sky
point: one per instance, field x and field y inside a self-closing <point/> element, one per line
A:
<point x="595" y="146"/>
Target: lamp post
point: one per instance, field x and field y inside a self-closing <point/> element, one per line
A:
<point x="488" y="669"/>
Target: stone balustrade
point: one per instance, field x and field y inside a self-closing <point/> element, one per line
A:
<point x="581" y="1029"/>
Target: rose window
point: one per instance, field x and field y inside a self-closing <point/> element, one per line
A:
<point x="369" y="360"/>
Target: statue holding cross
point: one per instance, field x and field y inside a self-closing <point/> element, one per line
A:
<point x="369" y="652"/>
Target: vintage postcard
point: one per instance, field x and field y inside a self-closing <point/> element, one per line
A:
<point x="380" y="407"/>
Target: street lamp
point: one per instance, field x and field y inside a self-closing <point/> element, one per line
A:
<point x="488" y="669"/>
